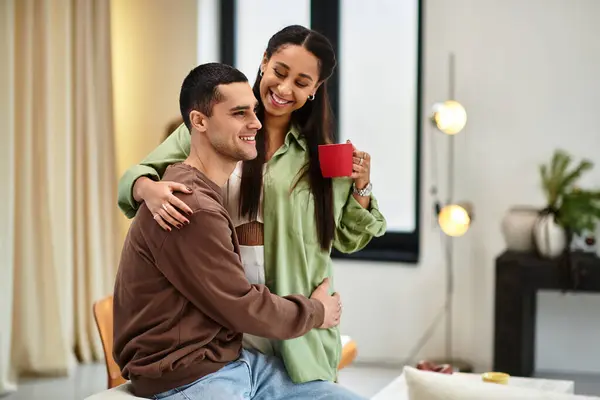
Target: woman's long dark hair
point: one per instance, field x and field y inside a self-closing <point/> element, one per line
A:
<point x="315" y="121"/>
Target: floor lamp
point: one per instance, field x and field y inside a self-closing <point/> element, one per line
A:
<point x="454" y="219"/>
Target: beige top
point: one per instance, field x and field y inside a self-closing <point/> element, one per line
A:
<point x="249" y="231"/>
<point x="231" y="195"/>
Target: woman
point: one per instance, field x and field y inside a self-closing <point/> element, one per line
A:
<point x="280" y="198"/>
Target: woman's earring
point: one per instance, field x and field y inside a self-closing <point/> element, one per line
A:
<point x="311" y="97"/>
<point x="261" y="73"/>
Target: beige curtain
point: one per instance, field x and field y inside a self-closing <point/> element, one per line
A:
<point x="62" y="172"/>
<point x="7" y="189"/>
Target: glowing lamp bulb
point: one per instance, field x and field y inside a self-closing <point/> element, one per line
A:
<point x="450" y="117"/>
<point x="454" y="220"/>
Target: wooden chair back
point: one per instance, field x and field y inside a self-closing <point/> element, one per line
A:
<point x="103" y="314"/>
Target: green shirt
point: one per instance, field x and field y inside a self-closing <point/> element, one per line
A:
<point x="294" y="260"/>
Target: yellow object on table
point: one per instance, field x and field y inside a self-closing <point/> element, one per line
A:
<point x="495" y="377"/>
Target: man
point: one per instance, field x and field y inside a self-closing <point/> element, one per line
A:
<point x="182" y="300"/>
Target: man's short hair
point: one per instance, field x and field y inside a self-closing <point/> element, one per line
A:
<point x="199" y="90"/>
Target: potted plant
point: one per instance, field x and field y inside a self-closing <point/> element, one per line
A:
<point x="569" y="210"/>
<point x="578" y="215"/>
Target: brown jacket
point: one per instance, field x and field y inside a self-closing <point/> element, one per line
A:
<point x="182" y="300"/>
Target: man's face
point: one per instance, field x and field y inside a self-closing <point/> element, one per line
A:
<point x="233" y="125"/>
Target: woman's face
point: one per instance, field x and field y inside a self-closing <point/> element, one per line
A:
<point x="289" y="77"/>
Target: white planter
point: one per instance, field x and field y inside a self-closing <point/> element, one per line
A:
<point x="550" y="238"/>
<point x="517" y="228"/>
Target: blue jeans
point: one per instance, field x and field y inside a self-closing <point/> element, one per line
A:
<point x="256" y="376"/>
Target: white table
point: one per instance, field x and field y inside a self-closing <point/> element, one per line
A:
<point x="397" y="389"/>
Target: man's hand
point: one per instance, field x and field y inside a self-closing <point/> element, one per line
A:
<point x="332" y="304"/>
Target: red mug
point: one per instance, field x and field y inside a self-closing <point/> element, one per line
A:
<point x="336" y="160"/>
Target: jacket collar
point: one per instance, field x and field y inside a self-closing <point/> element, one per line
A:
<point x="294" y="132"/>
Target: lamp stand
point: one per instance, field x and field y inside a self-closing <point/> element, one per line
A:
<point x="457" y="365"/>
<point x="447" y="310"/>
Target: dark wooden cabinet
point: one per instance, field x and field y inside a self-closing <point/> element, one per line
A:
<point x="518" y="277"/>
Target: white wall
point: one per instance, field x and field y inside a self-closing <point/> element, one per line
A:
<point x="527" y="74"/>
<point x="208" y="31"/>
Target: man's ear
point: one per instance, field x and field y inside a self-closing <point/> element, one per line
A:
<point x="198" y="120"/>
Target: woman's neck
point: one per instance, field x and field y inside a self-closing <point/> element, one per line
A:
<point x="275" y="129"/>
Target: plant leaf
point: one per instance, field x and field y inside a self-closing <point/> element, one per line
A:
<point x="570" y="178"/>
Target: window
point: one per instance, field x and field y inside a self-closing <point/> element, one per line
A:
<point x="375" y="93"/>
